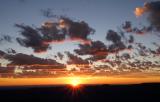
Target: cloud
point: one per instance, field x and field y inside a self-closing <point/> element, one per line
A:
<point x="154" y="16"/>
<point x="74" y="59"/>
<point x="21" y="59"/>
<point x="6" y="38"/>
<point x="60" y="55"/>
<point x="24" y="59"/>
<point x="131" y="39"/>
<point x="32" y="39"/>
<point x="128" y="28"/>
<point x="51" y="33"/>
<point x="117" y="44"/>
<point x="153" y="10"/>
<point x="96" y="49"/>
<point x="139" y="11"/>
<point x="113" y="36"/>
<point x="146" y="52"/>
<point x="80" y="30"/>
<point x="2" y="54"/>
<point x="116" y="47"/>
<point x="11" y="51"/>
<point x="68" y="29"/>
<point x="158" y="50"/>
<point x="65" y="29"/>
<point x="48" y="13"/>
<point x="125" y="56"/>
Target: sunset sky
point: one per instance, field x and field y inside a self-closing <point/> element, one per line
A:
<point x="103" y="35"/>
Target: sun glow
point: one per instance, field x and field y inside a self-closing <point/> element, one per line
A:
<point x="74" y="81"/>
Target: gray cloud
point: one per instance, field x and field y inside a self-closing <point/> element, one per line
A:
<point x="74" y="59"/>
<point x="39" y="39"/>
<point x="32" y="39"/>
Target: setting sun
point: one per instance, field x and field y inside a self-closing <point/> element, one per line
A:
<point x="75" y="81"/>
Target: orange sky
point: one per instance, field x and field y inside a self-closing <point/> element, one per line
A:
<point x="130" y="79"/>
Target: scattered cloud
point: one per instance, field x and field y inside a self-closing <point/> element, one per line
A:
<point x="32" y="39"/>
<point x="65" y="29"/>
<point x="39" y="39"/>
<point x="74" y="59"/>
<point x="6" y="38"/>
<point x="60" y="55"/>
<point x="24" y="59"/>
<point x="128" y="28"/>
<point x="153" y="12"/>
<point x="96" y="49"/>
<point x="2" y="53"/>
<point x="117" y="44"/>
<point x="11" y="51"/>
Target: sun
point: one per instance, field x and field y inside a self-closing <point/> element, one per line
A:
<point x="75" y="81"/>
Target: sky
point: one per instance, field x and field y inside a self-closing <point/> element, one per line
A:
<point x="59" y="33"/>
<point x="101" y="15"/>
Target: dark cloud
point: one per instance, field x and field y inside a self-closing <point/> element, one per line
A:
<point x="130" y="47"/>
<point x="117" y="44"/>
<point x="156" y="44"/>
<point x="142" y="49"/>
<point x="155" y="52"/>
<point x="60" y="55"/>
<point x="116" y="47"/>
<point x="74" y="59"/>
<point x="48" y="13"/>
<point x="23" y="59"/>
<point x="11" y="51"/>
<point x="131" y="39"/>
<point x="96" y="49"/>
<point x="113" y="36"/>
<point x="39" y="39"/>
<point x="138" y="31"/>
<point x="125" y="56"/>
<point x="158" y="50"/>
<point x="80" y="30"/>
<point x="154" y="13"/>
<point x="142" y="30"/>
<point x="2" y="53"/>
<point x="127" y="26"/>
<point x="6" y="38"/>
<point x="69" y="29"/>
<point x="32" y="39"/>
<point x="51" y="33"/>
<point x="29" y="60"/>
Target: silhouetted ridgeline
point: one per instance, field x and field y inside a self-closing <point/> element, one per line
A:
<point x="149" y="92"/>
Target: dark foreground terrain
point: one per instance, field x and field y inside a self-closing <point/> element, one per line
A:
<point x="85" y="93"/>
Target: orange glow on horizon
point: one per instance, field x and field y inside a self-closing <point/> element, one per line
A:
<point x="75" y="81"/>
